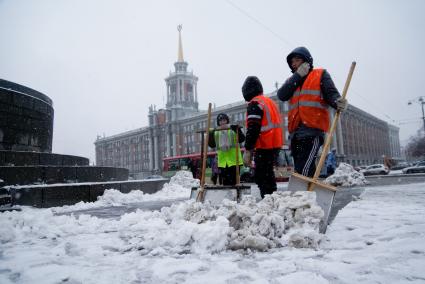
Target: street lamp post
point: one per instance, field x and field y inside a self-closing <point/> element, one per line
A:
<point x="421" y="101"/>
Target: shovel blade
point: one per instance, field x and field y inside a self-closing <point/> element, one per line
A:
<point x="325" y="195"/>
<point x="216" y="194"/>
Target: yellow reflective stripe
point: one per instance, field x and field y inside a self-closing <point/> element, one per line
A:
<point x="231" y="138"/>
<point x="307" y="92"/>
<point x="310" y="92"/>
<point x="312" y="104"/>
<point x="307" y="104"/>
<point x="269" y="126"/>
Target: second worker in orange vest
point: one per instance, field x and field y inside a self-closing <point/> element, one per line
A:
<point x="309" y="91"/>
<point x="263" y="133"/>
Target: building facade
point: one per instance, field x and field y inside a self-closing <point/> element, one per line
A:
<point x="175" y="130"/>
<point x="367" y="139"/>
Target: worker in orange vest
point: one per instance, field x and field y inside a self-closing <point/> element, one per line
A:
<point x="263" y="134"/>
<point x="309" y="91"/>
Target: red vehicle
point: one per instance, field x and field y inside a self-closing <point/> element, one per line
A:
<point x="184" y="162"/>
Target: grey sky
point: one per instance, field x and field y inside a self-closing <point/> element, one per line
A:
<point x="104" y="62"/>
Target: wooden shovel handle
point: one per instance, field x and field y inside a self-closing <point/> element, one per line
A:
<point x="238" y="179"/>
<point x="332" y="129"/>
<point x="200" y="196"/>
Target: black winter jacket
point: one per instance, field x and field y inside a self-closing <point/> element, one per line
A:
<point x="255" y="115"/>
<point x="330" y="95"/>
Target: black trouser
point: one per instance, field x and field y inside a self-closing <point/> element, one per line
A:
<point x="228" y="175"/>
<point x="214" y="177"/>
<point x="264" y="175"/>
<point x="304" y="151"/>
<point x="330" y="170"/>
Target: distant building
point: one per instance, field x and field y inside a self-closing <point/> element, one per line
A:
<point x="366" y="139"/>
<point x="360" y="138"/>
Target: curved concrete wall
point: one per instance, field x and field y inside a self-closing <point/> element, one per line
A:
<point x="26" y="119"/>
<point x="62" y="194"/>
<point x="22" y="158"/>
<point x="21" y="175"/>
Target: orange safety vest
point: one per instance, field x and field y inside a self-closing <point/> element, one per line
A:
<point x="308" y="106"/>
<point x="271" y="124"/>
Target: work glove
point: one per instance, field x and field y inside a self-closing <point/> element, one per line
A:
<point x="247" y="158"/>
<point x="224" y="126"/>
<point x="341" y="104"/>
<point x="234" y="127"/>
<point x="303" y="69"/>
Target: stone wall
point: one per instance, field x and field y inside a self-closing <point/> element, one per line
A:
<point x="26" y="119"/>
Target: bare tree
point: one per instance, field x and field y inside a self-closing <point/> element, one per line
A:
<point x="416" y="147"/>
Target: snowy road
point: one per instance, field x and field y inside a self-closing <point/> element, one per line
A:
<point x="376" y="239"/>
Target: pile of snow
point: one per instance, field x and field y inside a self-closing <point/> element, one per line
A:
<point x="185" y="179"/>
<point x="346" y="175"/>
<point x="279" y="220"/>
<point x="283" y="219"/>
<point x="179" y="187"/>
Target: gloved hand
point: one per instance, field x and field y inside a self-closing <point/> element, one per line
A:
<point x="247" y="158"/>
<point x="303" y="69"/>
<point x="234" y="127"/>
<point x="341" y="104"/>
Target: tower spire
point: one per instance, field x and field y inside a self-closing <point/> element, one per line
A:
<point x="180" y="52"/>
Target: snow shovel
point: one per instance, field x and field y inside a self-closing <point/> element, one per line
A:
<point x="325" y="193"/>
<point x="216" y="194"/>
<point x="200" y="194"/>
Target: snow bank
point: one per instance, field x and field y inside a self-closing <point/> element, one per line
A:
<point x="284" y="219"/>
<point x="346" y="175"/>
<point x="179" y="187"/>
<point x="279" y="220"/>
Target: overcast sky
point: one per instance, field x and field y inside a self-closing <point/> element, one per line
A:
<point x="104" y="62"/>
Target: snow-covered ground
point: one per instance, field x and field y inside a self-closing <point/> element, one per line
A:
<point x="378" y="238"/>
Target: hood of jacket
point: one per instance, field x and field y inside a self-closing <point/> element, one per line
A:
<point x="251" y="88"/>
<point x="301" y="52"/>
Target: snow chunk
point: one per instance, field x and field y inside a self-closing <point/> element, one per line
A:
<point x="346" y="175"/>
<point x="185" y="179"/>
<point x="179" y="186"/>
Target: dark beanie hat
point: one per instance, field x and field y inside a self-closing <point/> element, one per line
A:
<point x="251" y="88"/>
